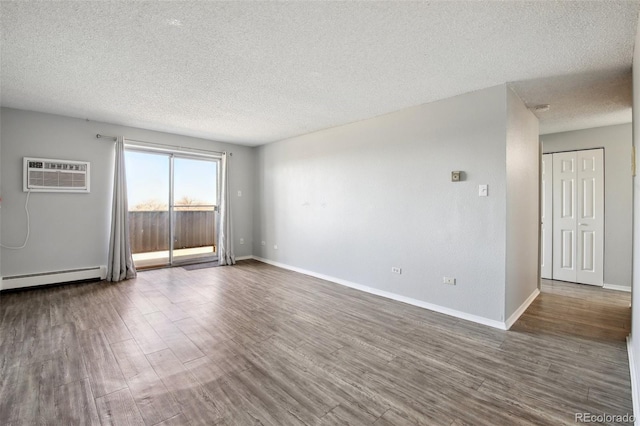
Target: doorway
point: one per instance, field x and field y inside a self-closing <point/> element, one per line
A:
<point x="572" y="212"/>
<point x="173" y="207"/>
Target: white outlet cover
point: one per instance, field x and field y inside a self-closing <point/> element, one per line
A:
<point x="239" y="193"/>
<point x="275" y="247"/>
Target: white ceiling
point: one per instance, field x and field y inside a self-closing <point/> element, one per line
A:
<point x="256" y="72"/>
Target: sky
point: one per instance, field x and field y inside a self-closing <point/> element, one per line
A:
<point x="148" y="178"/>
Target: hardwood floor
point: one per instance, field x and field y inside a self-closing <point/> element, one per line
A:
<point x="258" y="345"/>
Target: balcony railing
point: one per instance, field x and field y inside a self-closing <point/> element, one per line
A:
<point x="149" y="230"/>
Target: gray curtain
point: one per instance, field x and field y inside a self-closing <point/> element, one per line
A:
<point x="120" y="266"/>
<point x="225" y="238"/>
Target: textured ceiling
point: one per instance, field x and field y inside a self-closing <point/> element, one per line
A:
<point x="255" y="72"/>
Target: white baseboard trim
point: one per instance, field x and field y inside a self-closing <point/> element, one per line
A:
<point x="393" y="296"/>
<point x="634" y="383"/>
<point x="54" y="277"/>
<point x="514" y="317"/>
<point x="617" y="287"/>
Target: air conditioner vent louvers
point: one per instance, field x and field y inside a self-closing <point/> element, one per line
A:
<point x="44" y="175"/>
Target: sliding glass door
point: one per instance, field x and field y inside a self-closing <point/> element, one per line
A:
<point x="148" y="188"/>
<point x="194" y="209"/>
<point x="173" y="200"/>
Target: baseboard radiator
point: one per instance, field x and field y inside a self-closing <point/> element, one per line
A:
<point x="55" y="277"/>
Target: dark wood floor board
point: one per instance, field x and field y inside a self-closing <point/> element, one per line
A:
<point x="310" y="391"/>
<point x="404" y="399"/>
<point x="38" y="320"/>
<point x="359" y="360"/>
<point x="490" y="364"/>
<point x="267" y="390"/>
<point x="130" y="358"/>
<point x="347" y="414"/>
<point x="257" y="345"/>
<point x="10" y="356"/>
<point x="229" y="404"/>
<point x="165" y="363"/>
<point x="11" y="334"/>
<point x="142" y="332"/>
<point x="152" y="397"/>
<point x="150" y="394"/>
<point x="183" y="292"/>
<point x="66" y="367"/>
<point x="193" y="399"/>
<point x="105" y="317"/>
<point x="555" y="414"/>
<point x="118" y="408"/>
<point x="50" y="343"/>
<point x="103" y="371"/>
<point x="596" y="375"/>
<point x="327" y="372"/>
<point x="141" y="302"/>
<point x="618" y="355"/>
<point x="436" y="367"/>
<point x="392" y="417"/>
<point x="208" y="369"/>
<point x="13" y="328"/>
<point x="19" y="395"/>
<point x="179" y="420"/>
<point x="47" y="409"/>
<point x="167" y="307"/>
<point x="569" y="328"/>
<point x="184" y="349"/>
<point x="206" y="339"/>
<point x="445" y="394"/>
<point x="548" y="346"/>
<point x="75" y="404"/>
<point x="259" y="405"/>
<point x="603" y="400"/>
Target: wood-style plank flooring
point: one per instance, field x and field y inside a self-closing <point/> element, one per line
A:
<point x="258" y="345"/>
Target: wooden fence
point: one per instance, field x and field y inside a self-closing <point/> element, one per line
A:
<point x="149" y="230"/>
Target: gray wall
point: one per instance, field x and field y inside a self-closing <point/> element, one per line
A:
<point x="71" y="230"/>
<point x="1" y="198"/>
<point x="523" y="181"/>
<point x="634" y="352"/>
<point x="617" y="141"/>
<point x="353" y="201"/>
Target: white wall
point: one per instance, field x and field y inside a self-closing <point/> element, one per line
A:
<point x="616" y="141"/>
<point x="72" y="230"/>
<point x="0" y="199"/>
<point x="634" y="343"/>
<point x="523" y="207"/>
<point x="353" y="201"/>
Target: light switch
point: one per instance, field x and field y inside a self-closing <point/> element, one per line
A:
<point x="239" y="193"/>
<point x="483" y="190"/>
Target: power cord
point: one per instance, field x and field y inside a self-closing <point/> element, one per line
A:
<point x="26" y="240"/>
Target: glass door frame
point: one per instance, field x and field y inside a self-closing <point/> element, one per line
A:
<point x="171" y="154"/>
<point x="172" y="216"/>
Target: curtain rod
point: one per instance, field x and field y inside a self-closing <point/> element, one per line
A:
<point x="160" y="145"/>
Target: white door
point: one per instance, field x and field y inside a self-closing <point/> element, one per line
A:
<point x="546" y="212"/>
<point x="578" y="216"/>
<point x="590" y="229"/>
<point x="564" y="216"/>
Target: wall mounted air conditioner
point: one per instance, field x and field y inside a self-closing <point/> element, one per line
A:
<point x="47" y="175"/>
